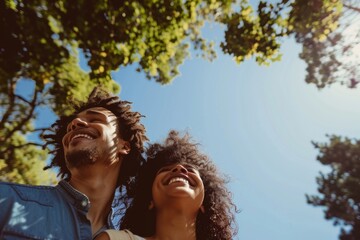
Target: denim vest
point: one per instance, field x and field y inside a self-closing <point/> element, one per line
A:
<point x="44" y="212"/>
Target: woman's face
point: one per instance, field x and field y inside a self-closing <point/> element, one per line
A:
<point x="178" y="181"/>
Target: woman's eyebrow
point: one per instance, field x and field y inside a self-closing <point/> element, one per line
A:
<point x="186" y="165"/>
<point x="190" y="166"/>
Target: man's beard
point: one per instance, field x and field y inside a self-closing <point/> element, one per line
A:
<point x="81" y="157"/>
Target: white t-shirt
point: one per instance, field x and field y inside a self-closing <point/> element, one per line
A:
<point x="122" y="235"/>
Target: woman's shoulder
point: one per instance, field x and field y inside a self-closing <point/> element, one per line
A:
<point x="122" y="235"/>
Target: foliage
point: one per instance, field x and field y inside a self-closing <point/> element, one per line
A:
<point x="249" y="35"/>
<point x="339" y="188"/>
<point x="41" y="41"/>
<point x="329" y="35"/>
<point x="30" y="160"/>
<point x="326" y="29"/>
<point x="39" y="36"/>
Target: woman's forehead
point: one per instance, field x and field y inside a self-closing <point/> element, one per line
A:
<point x="171" y="163"/>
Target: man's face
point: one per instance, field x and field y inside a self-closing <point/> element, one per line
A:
<point x="92" y="137"/>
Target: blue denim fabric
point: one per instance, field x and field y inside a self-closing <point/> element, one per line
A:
<point x="44" y="212"/>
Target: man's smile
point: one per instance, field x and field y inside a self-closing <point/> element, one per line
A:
<point x="79" y="135"/>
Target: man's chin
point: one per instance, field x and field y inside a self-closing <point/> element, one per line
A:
<point x="81" y="158"/>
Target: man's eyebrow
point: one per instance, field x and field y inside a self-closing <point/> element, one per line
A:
<point x="94" y="112"/>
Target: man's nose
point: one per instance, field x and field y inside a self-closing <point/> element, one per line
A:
<point x="78" y="123"/>
<point x="179" y="168"/>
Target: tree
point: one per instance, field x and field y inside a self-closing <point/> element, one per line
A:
<point x="338" y="189"/>
<point x="329" y="35"/>
<point x="328" y="31"/>
<point x="41" y="41"/>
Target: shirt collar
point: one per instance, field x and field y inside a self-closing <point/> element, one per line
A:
<point x="79" y="200"/>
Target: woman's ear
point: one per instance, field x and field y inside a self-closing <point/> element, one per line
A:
<point x="151" y="205"/>
<point x="202" y="209"/>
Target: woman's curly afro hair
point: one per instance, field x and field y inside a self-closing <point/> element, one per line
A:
<point x="217" y="222"/>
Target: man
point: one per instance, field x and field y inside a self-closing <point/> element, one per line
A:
<point x="98" y="148"/>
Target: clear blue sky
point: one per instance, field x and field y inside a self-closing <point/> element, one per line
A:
<point x="257" y="124"/>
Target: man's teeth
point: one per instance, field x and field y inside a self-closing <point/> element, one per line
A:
<point x="82" y="135"/>
<point x="179" y="179"/>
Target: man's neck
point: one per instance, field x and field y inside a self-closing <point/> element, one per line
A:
<point x="98" y="184"/>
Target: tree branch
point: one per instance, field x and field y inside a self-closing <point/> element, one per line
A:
<point x="10" y="108"/>
<point x="40" y="129"/>
<point x="12" y="147"/>
<point x="351" y="7"/>
<point x="26" y="118"/>
<point x="27" y="144"/>
<point x="23" y="99"/>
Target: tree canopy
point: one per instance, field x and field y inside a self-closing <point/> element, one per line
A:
<point x="41" y="42"/>
<point x="39" y="36"/>
<point x="330" y="40"/>
<point x="338" y="189"/>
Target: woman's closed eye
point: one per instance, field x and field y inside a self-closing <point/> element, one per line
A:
<point x="191" y="169"/>
<point x="164" y="169"/>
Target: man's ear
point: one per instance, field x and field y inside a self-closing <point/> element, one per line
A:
<point x="124" y="147"/>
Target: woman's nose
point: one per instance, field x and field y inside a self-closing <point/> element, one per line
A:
<point x="180" y="168"/>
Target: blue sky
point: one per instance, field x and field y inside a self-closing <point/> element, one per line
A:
<point x="257" y="124"/>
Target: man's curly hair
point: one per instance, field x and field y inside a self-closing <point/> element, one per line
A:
<point x="218" y="220"/>
<point x="129" y="126"/>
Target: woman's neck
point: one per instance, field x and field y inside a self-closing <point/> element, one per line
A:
<point x="174" y="224"/>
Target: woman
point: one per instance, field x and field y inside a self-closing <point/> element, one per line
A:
<point x="178" y="194"/>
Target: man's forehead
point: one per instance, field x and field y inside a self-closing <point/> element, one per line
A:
<point x="96" y="111"/>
